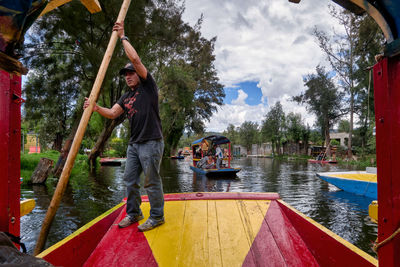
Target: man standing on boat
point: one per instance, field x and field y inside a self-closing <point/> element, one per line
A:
<point x="146" y="144"/>
<point x="219" y="156"/>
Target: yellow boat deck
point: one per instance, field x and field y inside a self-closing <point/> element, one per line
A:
<point x="210" y="229"/>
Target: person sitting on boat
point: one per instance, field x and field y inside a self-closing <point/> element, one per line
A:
<point x="204" y="146"/>
<point x="219" y="156"/>
<point x="210" y="162"/>
<point x="179" y="153"/>
<point x="198" y="153"/>
<point x="146" y="145"/>
<point x="201" y="163"/>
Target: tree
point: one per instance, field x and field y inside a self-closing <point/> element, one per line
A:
<point x="341" y="53"/>
<point x="248" y="134"/>
<point x="164" y="42"/>
<point x="295" y="129"/>
<point x="273" y="126"/>
<point x="323" y="99"/>
<point x="232" y="134"/>
<point x="370" y="43"/>
<point x="344" y="126"/>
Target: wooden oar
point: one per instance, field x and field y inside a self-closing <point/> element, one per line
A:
<point x="62" y="183"/>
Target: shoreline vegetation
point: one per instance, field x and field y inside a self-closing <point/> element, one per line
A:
<point x="30" y="161"/>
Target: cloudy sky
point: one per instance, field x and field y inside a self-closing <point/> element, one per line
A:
<point x="263" y="50"/>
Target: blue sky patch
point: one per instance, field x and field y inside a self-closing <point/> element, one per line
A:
<point x="250" y="88"/>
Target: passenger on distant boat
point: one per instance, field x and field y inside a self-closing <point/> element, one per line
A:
<point x="218" y="155"/>
<point x="204" y="146"/>
<point x="206" y="162"/>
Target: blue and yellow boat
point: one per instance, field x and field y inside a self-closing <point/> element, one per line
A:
<point x="357" y="182"/>
<point x="198" y="153"/>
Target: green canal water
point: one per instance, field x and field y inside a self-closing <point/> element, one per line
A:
<point x="344" y="213"/>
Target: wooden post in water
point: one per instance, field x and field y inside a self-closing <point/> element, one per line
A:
<point x="62" y="183"/>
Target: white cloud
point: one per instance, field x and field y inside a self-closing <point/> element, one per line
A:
<point x="269" y="42"/>
<point x="241" y="98"/>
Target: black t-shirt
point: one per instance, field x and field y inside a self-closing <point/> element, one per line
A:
<point x="141" y="107"/>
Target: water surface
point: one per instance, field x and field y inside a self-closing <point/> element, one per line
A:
<point x="344" y="213"/>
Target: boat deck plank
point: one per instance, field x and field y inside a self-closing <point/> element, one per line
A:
<point x="214" y="247"/>
<point x="220" y="229"/>
<point x="171" y="233"/>
<point x="224" y="232"/>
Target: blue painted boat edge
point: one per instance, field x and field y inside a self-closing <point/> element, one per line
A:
<point x="368" y="189"/>
<point x="216" y="171"/>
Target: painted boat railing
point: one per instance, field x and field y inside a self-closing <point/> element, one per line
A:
<point x="282" y="223"/>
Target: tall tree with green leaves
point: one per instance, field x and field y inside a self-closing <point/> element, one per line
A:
<point x="322" y="99"/>
<point x="273" y="127"/>
<point x="370" y="43"/>
<point x="340" y="50"/>
<point x="232" y="133"/>
<point x="295" y="129"/>
<point x="248" y="134"/>
<point x="164" y="43"/>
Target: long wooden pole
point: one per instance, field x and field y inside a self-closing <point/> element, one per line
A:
<point x="62" y="183"/>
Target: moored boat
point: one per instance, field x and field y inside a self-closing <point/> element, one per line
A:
<point x="358" y="182"/>
<point x="177" y="157"/>
<point x="322" y="161"/>
<point x="111" y="161"/>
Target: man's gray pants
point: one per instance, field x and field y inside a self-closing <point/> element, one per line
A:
<point x="144" y="157"/>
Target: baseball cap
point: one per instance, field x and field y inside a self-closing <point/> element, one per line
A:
<point x="128" y="67"/>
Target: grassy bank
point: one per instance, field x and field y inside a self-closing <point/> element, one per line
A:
<point x="30" y="161"/>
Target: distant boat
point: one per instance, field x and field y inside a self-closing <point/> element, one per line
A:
<point x="177" y="157"/>
<point x="357" y="182"/>
<point x="225" y="169"/>
<point x="111" y="161"/>
<point x="216" y="172"/>
<point x="322" y="161"/>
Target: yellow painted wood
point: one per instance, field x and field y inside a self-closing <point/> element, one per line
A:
<point x="368" y="177"/>
<point x="194" y="241"/>
<point x="206" y="232"/>
<point x="92" y="5"/>
<point x="263" y="205"/>
<point x="233" y="237"/>
<point x="52" y="5"/>
<point x="253" y="214"/>
<point x="27" y="206"/>
<point x="214" y="248"/>
<point x="344" y="242"/>
<point x="165" y="241"/>
<point x="373" y="211"/>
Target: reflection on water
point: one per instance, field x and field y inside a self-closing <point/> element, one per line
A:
<point x="344" y="213"/>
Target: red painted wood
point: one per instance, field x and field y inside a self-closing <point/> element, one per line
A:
<point x="264" y="251"/>
<point x="326" y="250"/>
<point x="10" y="143"/>
<point x="291" y="245"/>
<point x="218" y="195"/>
<point x="77" y="250"/>
<point x="387" y="117"/>
<point x="122" y="247"/>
